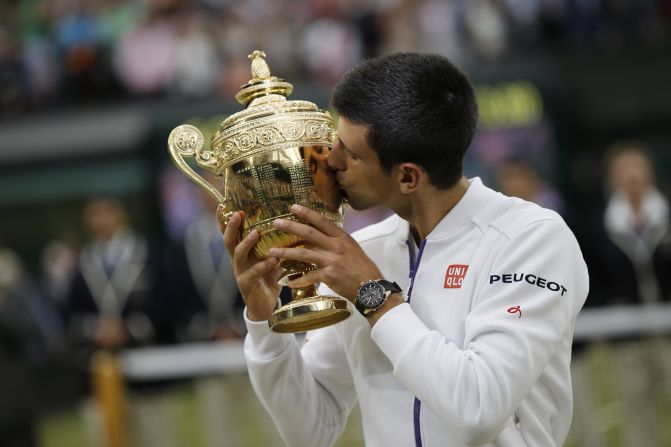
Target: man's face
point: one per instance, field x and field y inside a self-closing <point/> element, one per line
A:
<point x="103" y="218"/>
<point x="631" y="173"/>
<point x="358" y="169"/>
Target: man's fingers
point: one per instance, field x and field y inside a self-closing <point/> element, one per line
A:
<point x="255" y="272"/>
<point x="277" y="274"/>
<point x="317" y="220"/>
<point x="221" y="218"/>
<point x="231" y="230"/>
<point x="306" y="232"/>
<point x="305" y="280"/>
<point x="241" y="251"/>
<point x="299" y="254"/>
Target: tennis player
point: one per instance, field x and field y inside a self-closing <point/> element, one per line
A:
<point x="466" y="298"/>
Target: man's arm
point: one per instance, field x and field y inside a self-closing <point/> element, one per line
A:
<point x="308" y="394"/>
<point x="474" y="388"/>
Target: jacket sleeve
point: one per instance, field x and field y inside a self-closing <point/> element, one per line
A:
<point x="307" y="391"/>
<point x="474" y="388"/>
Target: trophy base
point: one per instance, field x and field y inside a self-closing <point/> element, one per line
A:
<point x="307" y="314"/>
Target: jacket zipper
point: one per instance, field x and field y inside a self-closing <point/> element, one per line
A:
<point x="417" y="408"/>
<point x="418" y="431"/>
<point x="414" y="265"/>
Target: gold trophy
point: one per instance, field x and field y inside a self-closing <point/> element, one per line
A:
<point x="271" y="155"/>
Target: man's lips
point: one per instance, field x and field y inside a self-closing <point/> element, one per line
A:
<point x="341" y="187"/>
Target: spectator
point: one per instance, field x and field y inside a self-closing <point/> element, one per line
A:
<point x="203" y="292"/>
<point x="329" y="47"/>
<point x="518" y="178"/>
<point x="630" y="245"/>
<point x="86" y="68"/>
<point x="113" y="299"/>
<point x="116" y="302"/>
<point x="13" y="89"/>
<point x="487" y="29"/>
<point x="19" y="336"/>
<point x="206" y="304"/>
<point x="195" y="63"/>
<point x="59" y="263"/>
<point x="629" y="253"/>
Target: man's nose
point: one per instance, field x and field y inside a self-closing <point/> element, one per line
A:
<point x="334" y="159"/>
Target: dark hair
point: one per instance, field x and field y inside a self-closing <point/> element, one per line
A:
<point x="420" y="108"/>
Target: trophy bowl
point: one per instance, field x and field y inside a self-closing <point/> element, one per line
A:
<point x="269" y="156"/>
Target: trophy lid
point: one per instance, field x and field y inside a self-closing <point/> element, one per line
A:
<point x="269" y="121"/>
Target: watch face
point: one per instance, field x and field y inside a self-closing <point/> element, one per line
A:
<point x="371" y="294"/>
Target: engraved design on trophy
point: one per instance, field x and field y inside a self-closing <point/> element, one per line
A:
<point x="269" y="156"/>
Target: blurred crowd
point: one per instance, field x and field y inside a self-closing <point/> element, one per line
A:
<point x="60" y="52"/>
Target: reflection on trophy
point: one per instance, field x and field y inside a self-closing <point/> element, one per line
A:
<point x="271" y="155"/>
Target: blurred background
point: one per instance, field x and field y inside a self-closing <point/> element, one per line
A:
<point x="119" y="318"/>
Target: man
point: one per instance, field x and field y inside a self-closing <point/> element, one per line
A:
<point x="628" y="247"/>
<point x="113" y="300"/>
<point x="204" y="296"/>
<point x="636" y="224"/>
<point x="20" y="340"/>
<point x="475" y="349"/>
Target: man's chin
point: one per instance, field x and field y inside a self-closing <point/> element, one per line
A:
<point x="357" y="206"/>
<point x="354" y="203"/>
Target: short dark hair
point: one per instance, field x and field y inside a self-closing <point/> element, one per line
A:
<point x="420" y="108"/>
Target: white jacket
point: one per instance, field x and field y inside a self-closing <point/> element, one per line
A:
<point x="479" y="356"/>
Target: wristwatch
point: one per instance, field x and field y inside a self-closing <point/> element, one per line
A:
<point x="371" y="295"/>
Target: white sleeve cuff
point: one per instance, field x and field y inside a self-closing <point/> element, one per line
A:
<point x="263" y="343"/>
<point x="398" y="330"/>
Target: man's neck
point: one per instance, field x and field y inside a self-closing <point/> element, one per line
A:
<point x="429" y="206"/>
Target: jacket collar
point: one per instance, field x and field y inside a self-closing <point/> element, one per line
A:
<point x="475" y="206"/>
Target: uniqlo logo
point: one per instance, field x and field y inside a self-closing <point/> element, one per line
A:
<point x="454" y="277"/>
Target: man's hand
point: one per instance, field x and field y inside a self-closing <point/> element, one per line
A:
<point x="257" y="279"/>
<point x="110" y="333"/>
<point x="343" y="265"/>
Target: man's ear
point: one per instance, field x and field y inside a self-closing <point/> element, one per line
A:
<point x="410" y="177"/>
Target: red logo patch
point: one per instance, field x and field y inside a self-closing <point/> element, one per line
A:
<point x="516" y="310"/>
<point x="454" y="277"/>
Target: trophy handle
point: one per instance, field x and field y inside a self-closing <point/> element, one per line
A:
<point x="187" y="141"/>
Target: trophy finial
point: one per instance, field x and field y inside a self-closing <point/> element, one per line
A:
<point x="260" y="68"/>
<point x="262" y="83"/>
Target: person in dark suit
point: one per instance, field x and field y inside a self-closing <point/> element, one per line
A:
<point x="206" y="307"/>
<point x="18" y="333"/>
<point x="114" y="298"/>
<point x="204" y="299"/>
<point x="116" y="302"/>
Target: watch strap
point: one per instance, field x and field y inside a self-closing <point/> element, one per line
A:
<point x="390" y="286"/>
<point x="362" y="310"/>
